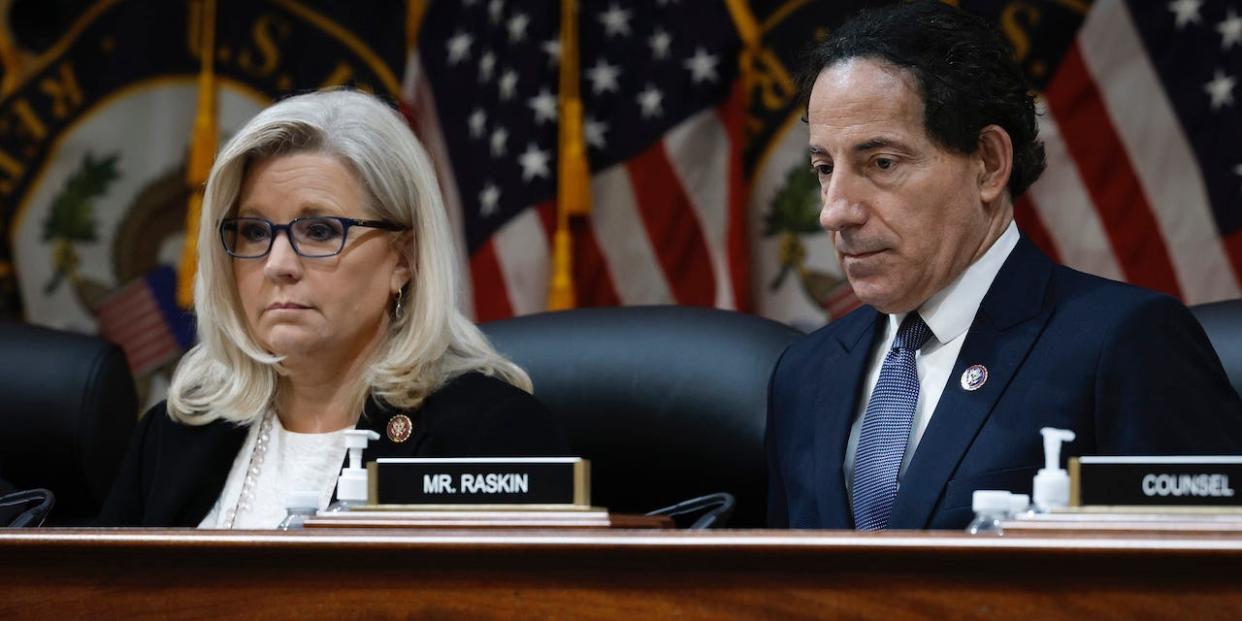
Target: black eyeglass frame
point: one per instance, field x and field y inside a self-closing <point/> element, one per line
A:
<point x="346" y="223"/>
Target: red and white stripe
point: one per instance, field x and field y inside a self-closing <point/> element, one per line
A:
<point x="420" y="111"/>
<point x="1122" y="196"/>
<point x="666" y="227"/>
<point x="131" y="318"/>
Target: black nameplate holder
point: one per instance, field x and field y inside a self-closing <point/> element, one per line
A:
<point x="1156" y="481"/>
<point x="480" y="482"/>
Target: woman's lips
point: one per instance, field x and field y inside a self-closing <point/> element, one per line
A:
<point x="286" y="306"/>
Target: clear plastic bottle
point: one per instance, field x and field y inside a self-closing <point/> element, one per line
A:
<point x="344" y="505"/>
<point x="991" y="508"/>
<point x="1019" y="505"/>
<point x="298" y="507"/>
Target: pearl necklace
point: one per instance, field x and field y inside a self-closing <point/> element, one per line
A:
<point x="252" y="471"/>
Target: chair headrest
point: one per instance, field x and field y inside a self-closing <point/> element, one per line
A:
<point x="69" y="408"/>
<point x="1223" y="323"/>
<point x="668" y="402"/>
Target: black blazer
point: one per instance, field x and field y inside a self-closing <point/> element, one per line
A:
<point x="173" y="473"/>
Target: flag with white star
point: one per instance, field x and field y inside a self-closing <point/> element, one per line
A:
<point x="663" y="130"/>
<point x="1141" y="123"/>
<point x="1143" y="132"/>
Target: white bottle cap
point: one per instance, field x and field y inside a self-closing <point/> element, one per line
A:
<point x="302" y="499"/>
<point x="356" y="442"/>
<point x="357" y="438"/>
<point x="990" y="500"/>
<point x="1019" y="503"/>
<point x="352" y="484"/>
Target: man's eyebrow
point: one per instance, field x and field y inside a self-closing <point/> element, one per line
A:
<point x="863" y="147"/>
<point x="877" y="143"/>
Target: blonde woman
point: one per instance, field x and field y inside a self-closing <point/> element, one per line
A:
<point x="326" y="300"/>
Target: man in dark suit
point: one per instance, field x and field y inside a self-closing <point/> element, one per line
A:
<point x="922" y="133"/>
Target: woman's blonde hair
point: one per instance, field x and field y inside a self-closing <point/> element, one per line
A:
<point x="228" y="375"/>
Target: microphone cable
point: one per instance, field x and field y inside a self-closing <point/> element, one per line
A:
<point x="719" y="507"/>
<point x="40" y="511"/>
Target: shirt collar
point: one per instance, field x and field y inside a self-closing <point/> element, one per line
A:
<point x="951" y="310"/>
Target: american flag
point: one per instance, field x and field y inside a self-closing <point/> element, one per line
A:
<point x="1144" y="142"/>
<point x="663" y="125"/>
<point x="143" y="318"/>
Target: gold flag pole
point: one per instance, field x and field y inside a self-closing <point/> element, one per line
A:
<point x="749" y="31"/>
<point x="202" y="152"/>
<point x="573" y="176"/>
<point x="10" y="59"/>
<point x="415" y="10"/>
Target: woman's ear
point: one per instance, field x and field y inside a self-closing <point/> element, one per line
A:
<point x="995" y="162"/>
<point x="401" y="272"/>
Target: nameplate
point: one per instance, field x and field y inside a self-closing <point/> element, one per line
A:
<point x="1155" y="481"/>
<point x="545" y="481"/>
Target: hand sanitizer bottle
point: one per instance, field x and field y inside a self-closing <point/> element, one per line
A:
<point x="351" y="487"/>
<point x="1052" y="483"/>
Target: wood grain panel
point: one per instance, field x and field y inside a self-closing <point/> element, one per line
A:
<point x="612" y="575"/>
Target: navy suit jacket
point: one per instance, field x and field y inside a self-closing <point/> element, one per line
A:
<point x="1130" y="371"/>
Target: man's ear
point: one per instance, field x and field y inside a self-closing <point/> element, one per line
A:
<point x="995" y="162"/>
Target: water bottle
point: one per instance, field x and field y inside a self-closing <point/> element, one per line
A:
<point x="1018" y="505"/>
<point x="345" y="505"/>
<point x="991" y="508"/>
<point x="298" y="507"/>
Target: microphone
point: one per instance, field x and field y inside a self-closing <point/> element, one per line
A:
<point x="718" y="506"/>
<point x="34" y="516"/>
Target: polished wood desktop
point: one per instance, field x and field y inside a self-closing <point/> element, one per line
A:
<point x="613" y="574"/>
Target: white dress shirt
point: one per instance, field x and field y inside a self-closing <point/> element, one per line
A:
<point x="949" y="314"/>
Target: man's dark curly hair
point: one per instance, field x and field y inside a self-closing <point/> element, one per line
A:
<point x="963" y="66"/>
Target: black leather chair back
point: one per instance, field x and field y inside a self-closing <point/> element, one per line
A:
<point x="667" y="402"/>
<point x="68" y="408"/>
<point x="1223" y="323"/>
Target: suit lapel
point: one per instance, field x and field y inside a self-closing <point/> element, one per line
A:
<point x="1009" y="321"/>
<point x="839" y="377"/>
<point x="194" y="464"/>
<point x="376" y="418"/>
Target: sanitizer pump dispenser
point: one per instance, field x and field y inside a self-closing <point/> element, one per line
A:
<point x="1052" y="483"/>
<point x="351" y="487"/>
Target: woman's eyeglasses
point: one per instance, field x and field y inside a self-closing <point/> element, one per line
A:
<point x="312" y="237"/>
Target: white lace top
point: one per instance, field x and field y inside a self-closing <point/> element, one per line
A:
<point x="292" y="462"/>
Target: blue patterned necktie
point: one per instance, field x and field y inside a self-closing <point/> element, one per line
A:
<point x="886" y="428"/>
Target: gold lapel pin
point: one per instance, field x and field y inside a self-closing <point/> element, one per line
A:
<point x="399" y="428"/>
